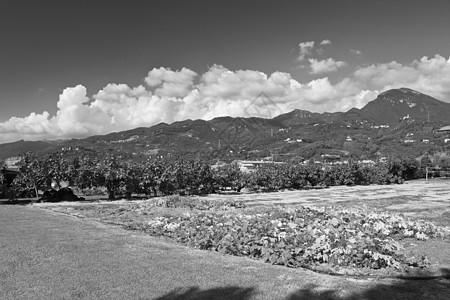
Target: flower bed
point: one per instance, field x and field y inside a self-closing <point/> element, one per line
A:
<point x="301" y="237"/>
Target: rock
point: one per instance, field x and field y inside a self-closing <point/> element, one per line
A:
<point x="64" y="194"/>
<point x="49" y="196"/>
<point x="246" y="190"/>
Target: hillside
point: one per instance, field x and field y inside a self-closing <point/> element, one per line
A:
<point x="14" y="148"/>
<point x="398" y="122"/>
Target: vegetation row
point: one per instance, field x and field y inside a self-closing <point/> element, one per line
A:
<point x="167" y="177"/>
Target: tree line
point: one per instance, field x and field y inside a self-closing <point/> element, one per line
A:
<point x="156" y="177"/>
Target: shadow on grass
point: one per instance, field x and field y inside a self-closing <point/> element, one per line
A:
<point x="419" y="289"/>
<point x="17" y="201"/>
<point x="220" y="293"/>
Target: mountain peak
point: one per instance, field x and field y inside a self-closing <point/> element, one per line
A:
<point x="398" y="104"/>
<point x="399" y="92"/>
<point x="407" y="90"/>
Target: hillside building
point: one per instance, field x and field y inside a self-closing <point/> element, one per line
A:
<point x="330" y="158"/>
<point x="446" y="131"/>
<point x="252" y="165"/>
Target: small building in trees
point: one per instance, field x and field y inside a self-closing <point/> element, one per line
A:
<point x="252" y="165"/>
<point x="330" y="158"/>
<point x="445" y="129"/>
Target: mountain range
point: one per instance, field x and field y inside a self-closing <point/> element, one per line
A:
<point x="398" y="122"/>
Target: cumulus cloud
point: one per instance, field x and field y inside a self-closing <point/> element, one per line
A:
<point x="221" y="92"/>
<point x="354" y="51"/>
<point x="171" y="83"/>
<point x="30" y="125"/>
<point x="305" y="49"/>
<point x="325" y="66"/>
<point x="427" y="75"/>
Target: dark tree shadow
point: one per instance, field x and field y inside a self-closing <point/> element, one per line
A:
<point x="420" y="289"/>
<point x="220" y="293"/>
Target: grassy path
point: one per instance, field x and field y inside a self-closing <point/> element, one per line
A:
<point x="45" y="255"/>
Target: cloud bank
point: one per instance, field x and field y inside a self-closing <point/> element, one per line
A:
<point x="174" y="95"/>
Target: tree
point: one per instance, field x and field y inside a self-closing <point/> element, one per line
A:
<point x="133" y="176"/>
<point x="2" y="179"/>
<point x="411" y="168"/>
<point x="395" y="167"/>
<point x="88" y="173"/>
<point x="57" y="167"/>
<point x="200" y="178"/>
<point x="151" y="174"/>
<point x="444" y="162"/>
<point x="110" y="173"/>
<point x="31" y="175"/>
<point x="231" y="176"/>
<point x="425" y="161"/>
<point x="2" y="169"/>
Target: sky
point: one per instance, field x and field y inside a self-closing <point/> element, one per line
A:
<point x="71" y="69"/>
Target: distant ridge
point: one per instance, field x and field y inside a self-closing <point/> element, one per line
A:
<point x="14" y="148"/>
<point x="379" y="128"/>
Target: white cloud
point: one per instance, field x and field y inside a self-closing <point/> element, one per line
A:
<point x="354" y="51"/>
<point x="305" y="49"/>
<point x="427" y="75"/>
<point x="325" y="66"/>
<point x="171" y="83"/>
<point x="34" y="124"/>
<point x="220" y="92"/>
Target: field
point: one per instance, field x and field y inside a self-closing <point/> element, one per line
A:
<point x="423" y="199"/>
<point x="185" y="273"/>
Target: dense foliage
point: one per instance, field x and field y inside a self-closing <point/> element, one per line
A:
<point x="2" y="167"/>
<point x="298" y="236"/>
<point x="167" y="177"/>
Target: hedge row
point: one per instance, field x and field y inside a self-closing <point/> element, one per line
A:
<point x="162" y="177"/>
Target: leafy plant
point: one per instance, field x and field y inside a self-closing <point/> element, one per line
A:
<point x="302" y="236"/>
